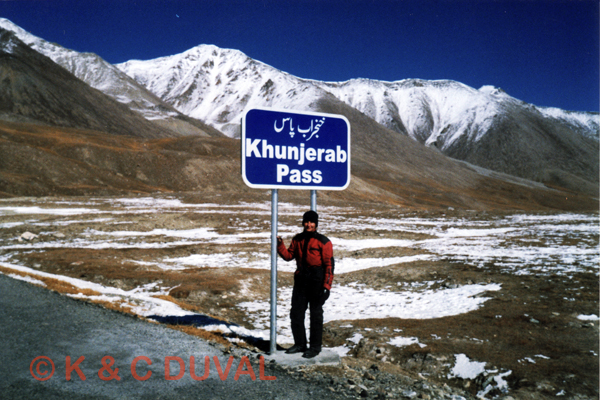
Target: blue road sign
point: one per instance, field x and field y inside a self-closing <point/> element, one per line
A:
<point x="283" y="149"/>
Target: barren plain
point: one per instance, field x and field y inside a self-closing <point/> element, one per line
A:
<point x="493" y="304"/>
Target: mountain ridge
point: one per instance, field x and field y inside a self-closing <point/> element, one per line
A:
<point x="220" y="85"/>
<point x="494" y="131"/>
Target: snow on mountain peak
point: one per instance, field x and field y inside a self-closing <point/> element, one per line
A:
<point x="218" y="85"/>
<point x="424" y="110"/>
<point x="21" y="33"/>
<point x="492" y="90"/>
<point x="8" y="42"/>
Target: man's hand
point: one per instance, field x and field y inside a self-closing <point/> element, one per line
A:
<point x="324" y="296"/>
<point x="279" y="240"/>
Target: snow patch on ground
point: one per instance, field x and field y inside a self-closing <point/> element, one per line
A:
<point x="356" y="301"/>
<point x="465" y="368"/>
<point x="592" y="317"/>
<point x="26" y="279"/>
<point x="400" y="341"/>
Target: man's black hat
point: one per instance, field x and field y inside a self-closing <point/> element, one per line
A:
<point x="311" y="216"/>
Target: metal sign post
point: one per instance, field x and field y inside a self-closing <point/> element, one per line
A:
<point x="283" y="149"/>
<point x="274" y="216"/>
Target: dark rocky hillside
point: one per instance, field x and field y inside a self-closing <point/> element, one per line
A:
<point x="34" y="88"/>
<point x="525" y="144"/>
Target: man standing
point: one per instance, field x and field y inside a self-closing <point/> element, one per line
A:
<point x="313" y="253"/>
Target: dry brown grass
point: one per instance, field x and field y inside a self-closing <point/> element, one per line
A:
<point x="92" y="264"/>
<point x="53" y="284"/>
<point x="117" y="305"/>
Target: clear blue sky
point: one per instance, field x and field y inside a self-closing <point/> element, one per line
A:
<point x="545" y="52"/>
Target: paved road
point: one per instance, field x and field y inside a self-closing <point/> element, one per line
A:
<point x="36" y="322"/>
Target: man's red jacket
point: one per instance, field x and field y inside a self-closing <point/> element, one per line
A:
<point x="320" y="252"/>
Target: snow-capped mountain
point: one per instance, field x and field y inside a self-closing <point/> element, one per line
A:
<point x="486" y="126"/>
<point x="218" y="85"/>
<point x="37" y="90"/>
<point x="440" y="112"/>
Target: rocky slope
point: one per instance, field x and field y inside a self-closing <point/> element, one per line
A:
<point x="34" y="88"/>
<point x="38" y="160"/>
<point x="108" y="79"/>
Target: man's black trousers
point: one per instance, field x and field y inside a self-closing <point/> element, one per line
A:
<point x="307" y="294"/>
